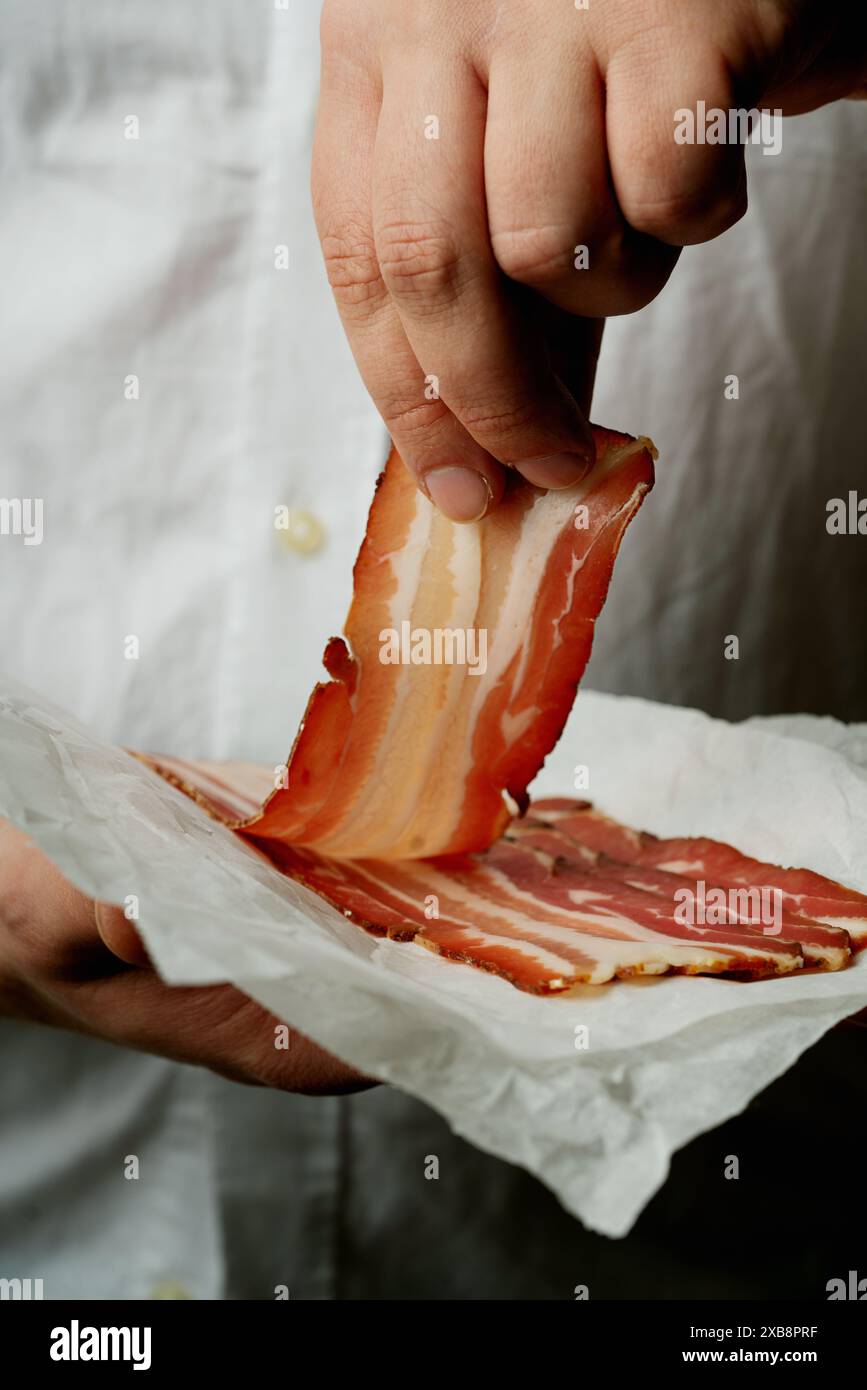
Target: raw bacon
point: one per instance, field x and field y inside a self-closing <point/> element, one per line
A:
<point x="804" y="895"/>
<point x="604" y="881"/>
<point x="537" y="908"/>
<point x="506" y="912"/>
<point x="409" y="760"/>
<point x="398" y="802"/>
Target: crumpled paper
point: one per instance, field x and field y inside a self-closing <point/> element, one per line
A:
<point x="666" y="1058"/>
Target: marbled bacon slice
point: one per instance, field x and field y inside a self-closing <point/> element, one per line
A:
<point x="505" y="910"/>
<point x="403" y="777"/>
<point x="515" y="909"/>
<point x="603" y="884"/>
<point x="404" y="761"/>
<point x="806" y="897"/>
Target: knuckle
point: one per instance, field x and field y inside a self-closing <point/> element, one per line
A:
<point x="683" y="216"/>
<point x="238" y="1033"/>
<point x="499" y="420"/>
<point x="658" y="217"/>
<point x="352" y="268"/>
<point x="534" y="255"/>
<point x="411" y="416"/>
<point x="418" y="259"/>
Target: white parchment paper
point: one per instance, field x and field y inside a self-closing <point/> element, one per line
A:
<point x="667" y="1058"/>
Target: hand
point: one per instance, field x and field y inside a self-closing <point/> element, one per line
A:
<point x="466" y="148"/>
<point x="73" y="963"/>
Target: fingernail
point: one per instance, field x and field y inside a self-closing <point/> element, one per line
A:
<point x="556" y="470"/>
<point x="461" y="493"/>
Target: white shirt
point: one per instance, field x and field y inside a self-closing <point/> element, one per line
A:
<point x="166" y="385"/>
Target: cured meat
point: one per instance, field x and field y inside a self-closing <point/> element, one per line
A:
<point x="659" y="893"/>
<point x="463" y="650"/>
<point x="540" y="906"/>
<point x="403" y="755"/>
<point x="804" y="895"/>
<point x="540" y="914"/>
<point x="507" y="912"/>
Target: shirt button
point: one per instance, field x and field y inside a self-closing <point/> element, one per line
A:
<point x="303" y="532"/>
<point x="170" y="1289"/>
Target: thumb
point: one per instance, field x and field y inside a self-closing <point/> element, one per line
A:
<point x="120" y="935"/>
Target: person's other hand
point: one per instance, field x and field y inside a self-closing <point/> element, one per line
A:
<point x="73" y="963"/>
<point x="466" y="150"/>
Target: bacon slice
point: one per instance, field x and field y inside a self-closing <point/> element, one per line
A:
<point x="539" y="907"/>
<point x="402" y="777"/>
<point x="805" y="896"/>
<point x="509" y="914"/>
<point x="655" y="891"/>
<point x="516" y="909"/>
<point x="414" y="760"/>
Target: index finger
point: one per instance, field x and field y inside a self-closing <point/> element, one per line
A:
<point x="455" y="471"/>
<point x="456" y="306"/>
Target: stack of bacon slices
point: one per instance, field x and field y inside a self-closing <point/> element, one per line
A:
<point x="400" y="801"/>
